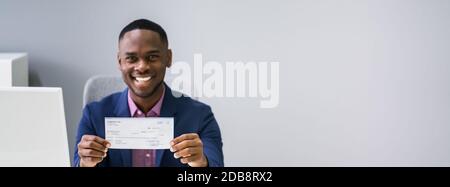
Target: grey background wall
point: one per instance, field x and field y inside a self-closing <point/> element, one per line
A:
<point x="362" y="83"/>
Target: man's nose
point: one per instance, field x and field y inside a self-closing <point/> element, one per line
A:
<point x="142" y="65"/>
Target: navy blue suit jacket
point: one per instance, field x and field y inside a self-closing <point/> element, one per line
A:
<point x="190" y="116"/>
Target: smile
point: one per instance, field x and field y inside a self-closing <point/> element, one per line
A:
<point x="142" y="79"/>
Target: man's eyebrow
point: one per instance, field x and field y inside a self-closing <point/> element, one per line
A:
<point x="148" y="52"/>
<point x="130" y="53"/>
<point x="153" y="51"/>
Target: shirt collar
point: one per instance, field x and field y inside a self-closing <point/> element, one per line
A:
<point x="134" y="110"/>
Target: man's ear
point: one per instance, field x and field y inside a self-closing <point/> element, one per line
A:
<point x="169" y="58"/>
<point x="118" y="60"/>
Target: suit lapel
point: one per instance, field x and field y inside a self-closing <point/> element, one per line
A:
<point x="168" y="108"/>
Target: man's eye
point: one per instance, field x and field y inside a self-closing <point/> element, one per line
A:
<point x="130" y="58"/>
<point x="152" y="57"/>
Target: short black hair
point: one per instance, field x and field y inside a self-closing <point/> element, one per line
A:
<point x="146" y="25"/>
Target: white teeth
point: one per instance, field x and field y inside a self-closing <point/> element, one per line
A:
<point x="142" y="79"/>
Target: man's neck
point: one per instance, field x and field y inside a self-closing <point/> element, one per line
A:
<point x="146" y="104"/>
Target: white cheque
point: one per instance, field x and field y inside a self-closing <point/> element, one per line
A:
<point x="139" y="133"/>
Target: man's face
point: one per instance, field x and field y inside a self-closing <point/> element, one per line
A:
<point x="143" y="59"/>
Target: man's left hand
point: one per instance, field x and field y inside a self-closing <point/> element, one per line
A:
<point x="189" y="148"/>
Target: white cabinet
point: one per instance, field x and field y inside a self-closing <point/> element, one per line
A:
<point x="13" y="69"/>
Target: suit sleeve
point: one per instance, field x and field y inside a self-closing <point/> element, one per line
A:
<point x="85" y="127"/>
<point x="211" y="138"/>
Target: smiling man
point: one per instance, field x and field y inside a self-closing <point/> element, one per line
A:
<point x="143" y="57"/>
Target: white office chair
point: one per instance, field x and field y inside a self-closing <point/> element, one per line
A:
<point x="100" y="86"/>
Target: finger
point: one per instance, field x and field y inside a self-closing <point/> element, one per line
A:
<point x="92" y="159"/>
<point x="92" y="145"/>
<point x="189" y="159"/>
<point x="187" y="152"/>
<point x="182" y="137"/>
<point x="91" y="153"/>
<point x="97" y="139"/>
<point x="185" y="144"/>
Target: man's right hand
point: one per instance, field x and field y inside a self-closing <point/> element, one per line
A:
<point x="92" y="149"/>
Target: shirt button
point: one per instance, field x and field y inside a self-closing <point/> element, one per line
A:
<point x="147" y="155"/>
